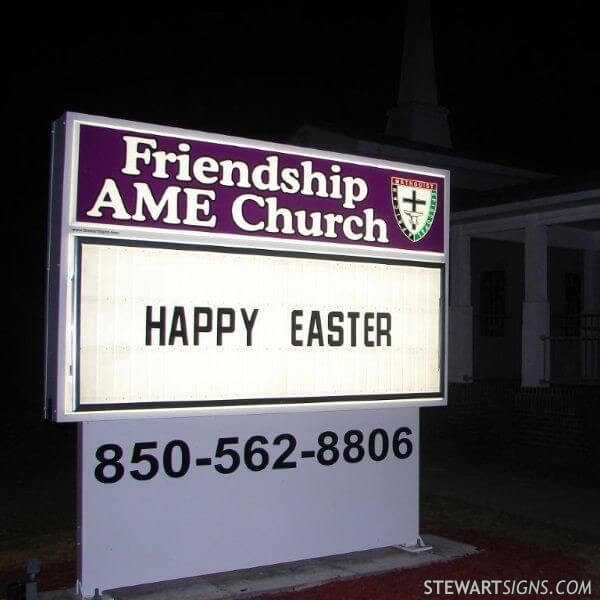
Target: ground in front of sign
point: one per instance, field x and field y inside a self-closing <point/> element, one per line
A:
<point x="525" y="526"/>
<point x="288" y="577"/>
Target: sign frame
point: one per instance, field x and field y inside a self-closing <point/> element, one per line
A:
<point x="65" y="233"/>
<point x="241" y="403"/>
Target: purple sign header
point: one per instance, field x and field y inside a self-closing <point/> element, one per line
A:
<point x="142" y="180"/>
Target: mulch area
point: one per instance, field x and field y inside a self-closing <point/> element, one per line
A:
<point x="498" y="559"/>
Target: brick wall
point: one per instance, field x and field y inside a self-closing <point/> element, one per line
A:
<point x="551" y="430"/>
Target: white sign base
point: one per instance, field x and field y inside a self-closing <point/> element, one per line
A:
<point x="134" y="531"/>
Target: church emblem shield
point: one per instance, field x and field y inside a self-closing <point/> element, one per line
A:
<point x="415" y="203"/>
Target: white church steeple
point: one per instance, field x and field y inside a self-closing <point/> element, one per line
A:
<point x="418" y="117"/>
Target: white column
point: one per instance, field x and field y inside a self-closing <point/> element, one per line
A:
<point x="591" y="281"/>
<point x="460" y="329"/>
<point x="536" y="308"/>
<point x="591" y="306"/>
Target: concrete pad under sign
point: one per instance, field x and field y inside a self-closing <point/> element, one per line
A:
<point x="262" y="580"/>
<point x="249" y="583"/>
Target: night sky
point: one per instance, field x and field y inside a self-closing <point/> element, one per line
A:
<point x="521" y="84"/>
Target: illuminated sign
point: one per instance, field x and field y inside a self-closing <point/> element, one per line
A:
<point x="192" y="273"/>
<point x="161" y="326"/>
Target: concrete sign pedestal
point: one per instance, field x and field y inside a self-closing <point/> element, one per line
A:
<point x="135" y="530"/>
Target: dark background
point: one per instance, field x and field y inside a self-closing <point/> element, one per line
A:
<point x="520" y="81"/>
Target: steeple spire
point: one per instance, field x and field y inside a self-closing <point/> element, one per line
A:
<point x="418" y="117"/>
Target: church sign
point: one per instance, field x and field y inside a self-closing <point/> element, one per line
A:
<point x="237" y="286"/>
<point x="193" y="273"/>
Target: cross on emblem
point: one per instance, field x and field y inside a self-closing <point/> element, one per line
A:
<point x="413" y="214"/>
<point x="414" y="201"/>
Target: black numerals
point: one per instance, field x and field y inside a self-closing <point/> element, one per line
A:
<point x="328" y="453"/>
<point x="255" y="457"/>
<point x="353" y="452"/>
<point x="230" y="452"/>
<point x="379" y="444"/>
<point x="402" y="446"/>
<point x="174" y="460"/>
<point x="109" y="469"/>
<point x="140" y="456"/>
<point x="280" y="462"/>
<point x="176" y="467"/>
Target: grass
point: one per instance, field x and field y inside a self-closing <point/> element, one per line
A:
<point x="448" y="515"/>
<point x="38" y="500"/>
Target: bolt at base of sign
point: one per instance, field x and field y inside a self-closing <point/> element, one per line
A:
<point x="417" y="548"/>
<point x="98" y="595"/>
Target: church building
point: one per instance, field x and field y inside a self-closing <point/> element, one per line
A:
<point x="524" y="317"/>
